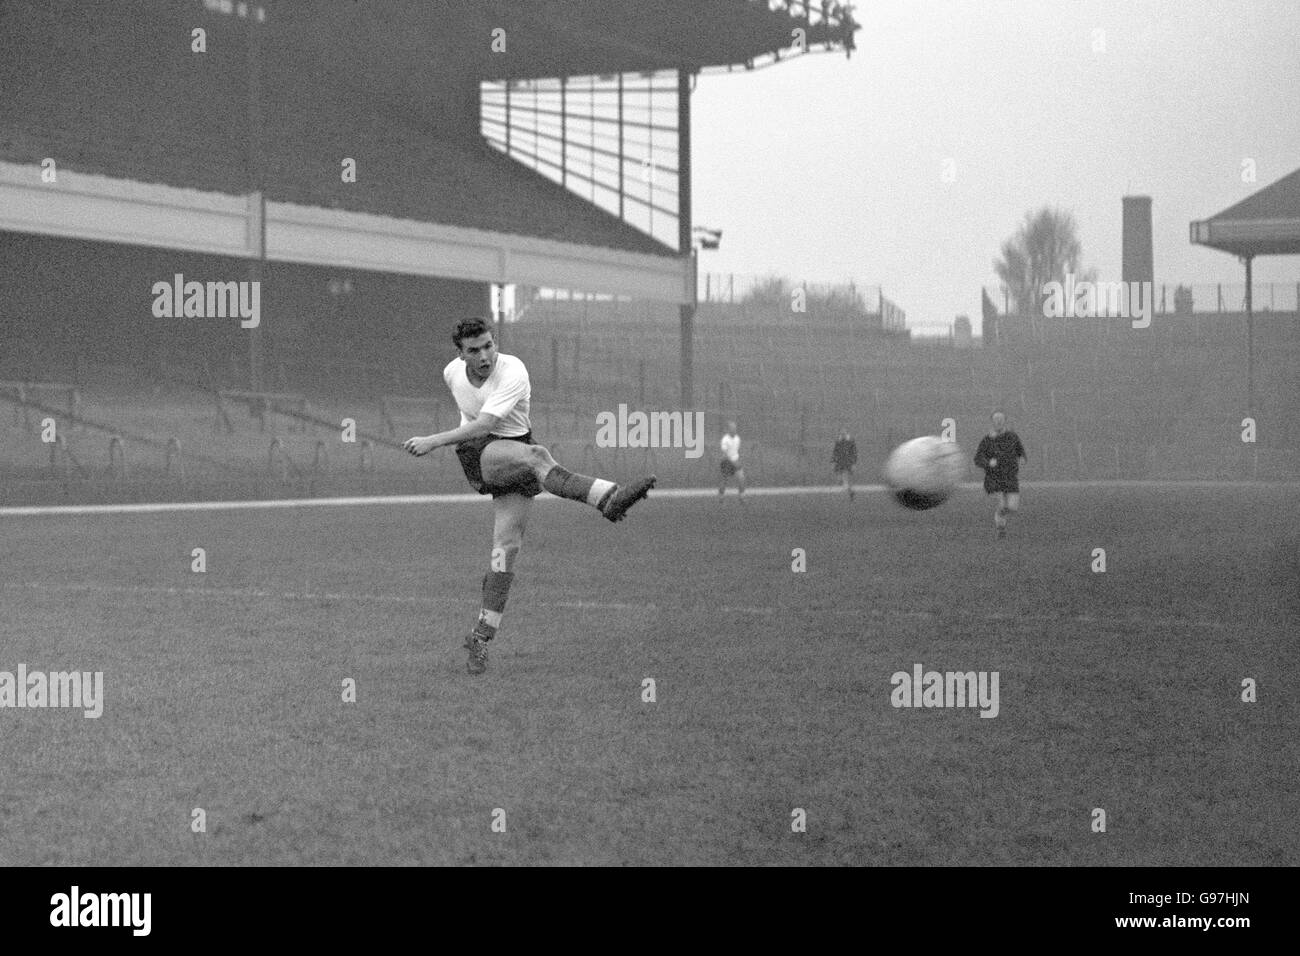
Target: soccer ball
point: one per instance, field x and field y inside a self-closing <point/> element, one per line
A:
<point x="923" y="472"/>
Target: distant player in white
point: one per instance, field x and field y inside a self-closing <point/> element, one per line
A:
<point x="499" y="457"/>
<point x="730" y="465"/>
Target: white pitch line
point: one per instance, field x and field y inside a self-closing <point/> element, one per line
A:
<point x="467" y="498"/>
<point x="155" y="508"/>
<point x="217" y="592"/>
<point x="96" y="588"/>
<point x="1003" y="617"/>
<point x="440" y="499"/>
<point x="599" y="605"/>
<point x="655" y="607"/>
<point x="872" y="615"/>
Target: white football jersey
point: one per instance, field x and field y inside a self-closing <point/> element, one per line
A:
<point x="730" y="446"/>
<point x="505" y="394"/>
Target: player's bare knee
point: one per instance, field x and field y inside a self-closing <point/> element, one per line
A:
<point x="539" y="458"/>
<point x="510" y="537"/>
<point x="507" y="539"/>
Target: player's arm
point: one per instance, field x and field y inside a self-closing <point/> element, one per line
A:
<point x="982" y="459"/>
<point x="1020" y="450"/>
<point x="483" y="425"/>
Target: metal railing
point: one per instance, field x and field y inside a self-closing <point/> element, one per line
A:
<point x="1172" y="298"/>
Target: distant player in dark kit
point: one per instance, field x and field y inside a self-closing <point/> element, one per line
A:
<point x="494" y="443"/>
<point x="999" y="454"/>
<point x="730" y="465"/>
<point x="843" y="457"/>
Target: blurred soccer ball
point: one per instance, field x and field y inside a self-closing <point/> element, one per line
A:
<point x="923" y="472"/>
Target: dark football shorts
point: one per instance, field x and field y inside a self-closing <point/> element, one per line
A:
<point x="469" y="453"/>
<point x="728" y="468"/>
<point x="998" y="485"/>
<point x="842" y="470"/>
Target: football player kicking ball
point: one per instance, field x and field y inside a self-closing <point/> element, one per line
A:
<point x="499" y="457"/>
<point x="999" y="455"/>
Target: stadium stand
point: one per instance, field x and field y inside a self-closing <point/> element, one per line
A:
<point x="139" y="400"/>
<point x="790" y="385"/>
<point x="409" y="168"/>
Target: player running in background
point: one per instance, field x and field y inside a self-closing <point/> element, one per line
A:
<point x="843" y="457"/>
<point x="494" y="443"/>
<point x="999" y="455"/>
<point x="730" y="464"/>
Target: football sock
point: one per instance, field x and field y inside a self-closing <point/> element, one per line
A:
<point x="563" y="483"/>
<point x="496" y="588"/>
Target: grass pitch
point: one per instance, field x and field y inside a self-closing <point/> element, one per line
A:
<point x="223" y="690"/>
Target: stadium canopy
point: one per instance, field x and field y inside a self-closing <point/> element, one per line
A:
<point x="1266" y="223"/>
<point x="550" y="38"/>
<point x="629" y="36"/>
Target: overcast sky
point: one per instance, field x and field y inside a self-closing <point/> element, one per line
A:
<point x="829" y="169"/>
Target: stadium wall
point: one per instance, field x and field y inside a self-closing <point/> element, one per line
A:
<point x="69" y="306"/>
<point x="1095" y="401"/>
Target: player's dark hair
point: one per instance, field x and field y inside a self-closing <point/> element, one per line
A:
<point x="469" y="329"/>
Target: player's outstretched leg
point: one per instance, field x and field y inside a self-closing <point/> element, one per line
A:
<point x="1000" y="515"/>
<point x="625" y="496"/>
<point x="503" y="462"/>
<point x="510" y="516"/>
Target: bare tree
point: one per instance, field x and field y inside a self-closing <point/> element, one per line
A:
<point x="1044" y="248"/>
